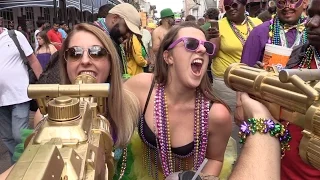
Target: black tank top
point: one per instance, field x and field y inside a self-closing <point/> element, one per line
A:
<point x="149" y="137"/>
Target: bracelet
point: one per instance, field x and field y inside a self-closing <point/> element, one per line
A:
<point x="265" y="126"/>
<point x="208" y="177"/>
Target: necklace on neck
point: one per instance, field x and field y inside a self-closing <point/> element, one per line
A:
<point x="242" y="36"/>
<point x="277" y="35"/>
<point x="310" y="53"/>
<point x="161" y="116"/>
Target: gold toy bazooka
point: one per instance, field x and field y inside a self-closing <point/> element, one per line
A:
<point x="291" y="95"/>
<point x="73" y="141"/>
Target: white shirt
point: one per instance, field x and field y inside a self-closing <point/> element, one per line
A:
<point x="146" y="39"/>
<point x="14" y="78"/>
<point x="36" y="43"/>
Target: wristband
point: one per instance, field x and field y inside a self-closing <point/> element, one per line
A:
<point x="266" y="126"/>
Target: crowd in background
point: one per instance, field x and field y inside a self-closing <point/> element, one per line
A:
<point x="162" y="65"/>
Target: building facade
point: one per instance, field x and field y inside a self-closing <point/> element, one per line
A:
<point x="197" y="8"/>
<point x="26" y="13"/>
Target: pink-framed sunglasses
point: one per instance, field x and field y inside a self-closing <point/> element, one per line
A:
<point x="192" y="44"/>
<point x="292" y="4"/>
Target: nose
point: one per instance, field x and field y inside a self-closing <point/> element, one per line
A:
<point x="201" y="49"/>
<point x="313" y="22"/>
<point x="85" y="59"/>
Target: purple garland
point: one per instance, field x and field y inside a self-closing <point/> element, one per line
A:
<point x="161" y="124"/>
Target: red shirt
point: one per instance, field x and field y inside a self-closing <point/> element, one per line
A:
<point x="55" y="36"/>
<point x="292" y="166"/>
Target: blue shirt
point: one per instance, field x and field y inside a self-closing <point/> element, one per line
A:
<point x="63" y="33"/>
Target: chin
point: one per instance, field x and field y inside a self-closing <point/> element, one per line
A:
<point x="193" y="83"/>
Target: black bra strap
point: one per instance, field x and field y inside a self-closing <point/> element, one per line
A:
<point x="148" y="98"/>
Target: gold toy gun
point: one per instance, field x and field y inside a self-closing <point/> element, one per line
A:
<point x="291" y="95"/>
<point x="73" y="142"/>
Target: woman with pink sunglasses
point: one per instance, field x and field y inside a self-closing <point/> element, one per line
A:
<point x="182" y="121"/>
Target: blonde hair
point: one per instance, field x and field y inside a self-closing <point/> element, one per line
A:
<point x="123" y="107"/>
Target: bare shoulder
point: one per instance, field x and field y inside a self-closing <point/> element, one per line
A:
<point x="139" y="83"/>
<point x="219" y="115"/>
<point x="52" y="48"/>
<point x="156" y="30"/>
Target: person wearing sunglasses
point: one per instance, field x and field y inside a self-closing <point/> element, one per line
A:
<point x="88" y="50"/>
<point x="177" y="101"/>
<point x="286" y="29"/>
<point x="289" y="15"/>
<point x="234" y="30"/>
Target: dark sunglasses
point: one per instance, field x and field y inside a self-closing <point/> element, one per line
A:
<point x="94" y="52"/>
<point x="233" y="6"/>
<point x="292" y="4"/>
<point x="192" y="44"/>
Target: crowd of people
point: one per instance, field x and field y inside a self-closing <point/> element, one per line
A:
<point x="169" y="108"/>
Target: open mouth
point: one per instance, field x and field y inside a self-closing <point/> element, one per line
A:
<point x="91" y="73"/>
<point x="196" y="66"/>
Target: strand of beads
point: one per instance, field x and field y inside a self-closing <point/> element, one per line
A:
<point x="204" y="126"/>
<point x="275" y="27"/>
<point x="201" y="119"/>
<point x="310" y="53"/>
<point x="307" y="58"/>
<point x="160" y="130"/>
<point x="265" y="126"/>
<point x="196" y="131"/>
<point x="168" y="136"/>
<point x="238" y="33"/>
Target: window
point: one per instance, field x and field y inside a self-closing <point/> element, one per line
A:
<point x="7" y="15"/>
<point x="29" y="18"/>
<point x="46" y="14"/>
<point x="29" y="14"/>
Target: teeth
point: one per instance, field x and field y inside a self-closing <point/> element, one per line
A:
<point x="197" y="61"/>
<point x="89" y="73"/>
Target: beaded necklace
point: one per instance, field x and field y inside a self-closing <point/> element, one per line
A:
<point x="310" y="53"/>
<point x="125" y="74"/>
<point x="275" y="30"/>
<point x="238" y="33"/>
<point x="162" y="125"/>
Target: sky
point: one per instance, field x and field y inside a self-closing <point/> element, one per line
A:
<point x="175" y="5"/>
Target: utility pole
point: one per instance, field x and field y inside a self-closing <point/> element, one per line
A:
<point x="54" y="10"/>
<point x="81" y="14"/>
<point x="92" y="11"/>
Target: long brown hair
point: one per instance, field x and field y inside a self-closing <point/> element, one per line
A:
<point x="44" y="37"/>
<point x="161" y="67"/>
<point x="122" y="108"/>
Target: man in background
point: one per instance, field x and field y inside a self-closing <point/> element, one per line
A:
<point x="55" y="36"/>
<point x="14" y="81"/>
<point x="102" y="14"/>
<point x="191" y="18"/>
<point x="62" y="30"/>
<point x="110" y="23"/>
<point x="167" y="21"/>
<point x="200" y="21"/>
<point x="212" y="14"/>
<point x="147" y="43"/>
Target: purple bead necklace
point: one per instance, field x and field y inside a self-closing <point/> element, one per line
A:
<point x="161" y="117"/>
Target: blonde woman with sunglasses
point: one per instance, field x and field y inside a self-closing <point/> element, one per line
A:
<point x="88" y="50"/>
